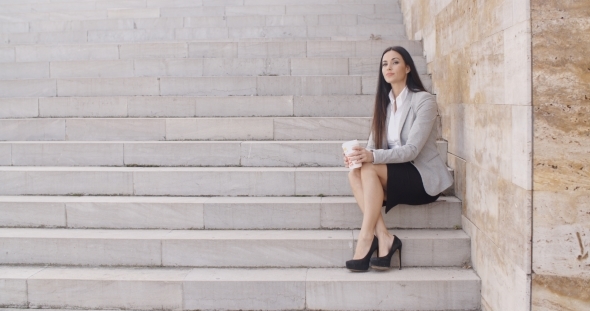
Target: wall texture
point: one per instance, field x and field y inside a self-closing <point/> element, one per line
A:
<point x="479" y="55"/>
<point x="561" y="176"/>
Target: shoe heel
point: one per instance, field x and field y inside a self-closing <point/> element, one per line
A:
<point x="400" y="257"/>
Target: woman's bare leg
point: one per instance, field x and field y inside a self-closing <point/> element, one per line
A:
<point x="375" y="181"/>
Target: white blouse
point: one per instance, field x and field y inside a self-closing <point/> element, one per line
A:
<point x="393" y="139"/>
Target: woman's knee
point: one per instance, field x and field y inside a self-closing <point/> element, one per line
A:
<point x="366" y="169"/>
<point x="354" y="176"/>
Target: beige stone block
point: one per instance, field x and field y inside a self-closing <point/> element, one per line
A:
<point x="32" y="129"/>
<point x="116" y="129"/>
<point x="517" y="61"/>
<point x="67" y="154"/>
<point x="213" y="49"/>
<point x="272" y="49"/>
<point x="154" y="50"/>
<point x="560" y="233"/>
<point x="177" y="67"/>
<point x="338" y="19"/>
<point x="136" y="215"/>
<point x="13" y="284"/>
<point x="522" y="146"/>
<point x="132" y="35"/>
<point x="92" y="288"/>
<point x="268" y="289"/>
<point x="257" y="248"/>
<point x="9" y="71"/>
<point x="160" y="106"/>
<point x="19" y="108"/>
<point x="460" y="178"/>
<point x="262" y="213"/>
<point x="108" y="87"/>
<point x="334" y="106"/>
<point x="396" y="18"/>
<point x="183" y="154"/>
<point x="193" y="11"/>
<point x="28" y="88"/>
<point x="240" y="10"/>
<point x="205" y="21"/>
<point x="46" y="37"/>
<point x="557" y="9"/>
<point x="208" y="86"/>
<point x="500" y="277"/>
<point x="332" y="181"/>
<point x="7" y="54"/>
<point x="32" y="214"/>
<point x="301" y="128"/>
<point x="134" y="13"/>
<point x="5" y="154"/>
<point x="553" y="293"/>
<point x="219" y="129"/>
<point x="39" y="53"/>
<point x="319" y="66"/>
<point x="395" y="32"/>
<point x="244" y="106"/>
<point x="62" y="26"/>
<point x="65" y="181"/>
<point x="92" y="69"/>
<point x="215" y="182"/>
<point x="202" y="33"/>
<point x="83" y="107"/>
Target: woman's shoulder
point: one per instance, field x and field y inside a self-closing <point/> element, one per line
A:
<point x="422" y="97"/>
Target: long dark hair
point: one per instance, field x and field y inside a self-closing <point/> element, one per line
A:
<point x="413" y="83"/>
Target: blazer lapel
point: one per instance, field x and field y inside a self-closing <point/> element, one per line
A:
<point x="405" y="110"/>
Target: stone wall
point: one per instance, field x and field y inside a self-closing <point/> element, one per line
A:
<point x="479" y="55"/>
<point x="561" y="176"/>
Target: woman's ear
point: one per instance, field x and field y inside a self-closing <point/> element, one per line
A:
<point x="408" y="69"/>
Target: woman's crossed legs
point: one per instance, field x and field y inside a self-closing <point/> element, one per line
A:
<point x="368" y="185"/>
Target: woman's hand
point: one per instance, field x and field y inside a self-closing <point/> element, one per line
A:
<point x="361" y="154"/>
<point x="346" y="163"/>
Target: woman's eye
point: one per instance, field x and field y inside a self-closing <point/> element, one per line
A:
<point x="383" y="65"/>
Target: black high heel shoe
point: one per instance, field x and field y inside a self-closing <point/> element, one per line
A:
<point x="384" y="263"/>
<point x="360" y="265"/>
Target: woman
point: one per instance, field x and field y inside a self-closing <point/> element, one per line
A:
<point x="401" y="164"/>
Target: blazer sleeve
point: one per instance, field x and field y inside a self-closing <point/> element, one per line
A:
<point x="426" y="112"/>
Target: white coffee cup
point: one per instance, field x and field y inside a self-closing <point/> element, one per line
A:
<point x="347" y="147"/>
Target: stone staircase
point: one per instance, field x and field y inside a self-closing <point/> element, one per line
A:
<point x="185" y="154"/>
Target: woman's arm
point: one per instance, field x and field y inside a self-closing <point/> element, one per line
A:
<point x="426" y="112"/>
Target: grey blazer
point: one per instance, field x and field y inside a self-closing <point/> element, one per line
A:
<point x="418" y="139"/>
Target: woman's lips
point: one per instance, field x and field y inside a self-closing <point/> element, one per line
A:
<point x="389" y="75"/>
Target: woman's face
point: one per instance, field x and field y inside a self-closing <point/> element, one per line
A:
<point x="394" y="68"/>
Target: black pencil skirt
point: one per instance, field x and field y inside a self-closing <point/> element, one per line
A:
<point x="405" y="186"/>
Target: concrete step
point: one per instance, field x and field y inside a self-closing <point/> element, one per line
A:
<point x="91" y="11"/>
<point x="196" y="67"/>
<point x="173" y="181"/>
<point x="215" y="213"/>
<point x="229" y="49"/>
<point x="232" y="289"/>
<point x="195" y="86"/>
<point x="383" y="31"/>
<point x="175" y="129"/>
<point x="186" y="153"/>
<point x="214" y="181"/>
<point x="209" y="248"/>
<point x="197" y="22"/>
<point x="187" y="106"/>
